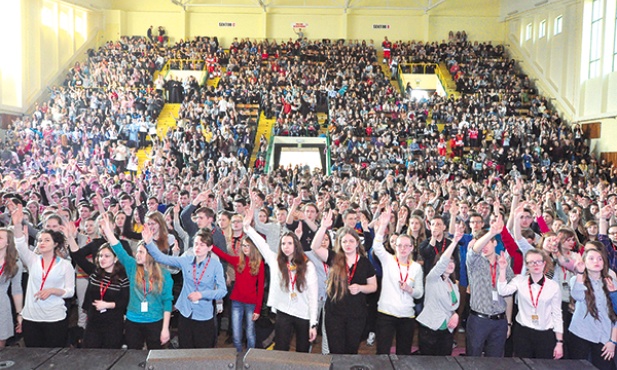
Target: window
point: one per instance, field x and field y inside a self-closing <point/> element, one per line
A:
<point x="615" y="48"/>
<point x="542" y="30"/>
<point x="558" y="25"/>
<point x="595" y="48"/>
<point x="528" y="32"/>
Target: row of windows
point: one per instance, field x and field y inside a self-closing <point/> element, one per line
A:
<point x="598" y="35"/>
<point x="557" y="28"/>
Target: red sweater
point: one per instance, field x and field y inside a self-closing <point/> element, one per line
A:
<point x="248" y="288"/>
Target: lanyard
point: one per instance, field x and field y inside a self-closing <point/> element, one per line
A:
<point x="443" y="247"/>
<point x="103" y="289"/>
<point x="237" y="241"/>
<point x="534" y="304"/>
<point x="4" y="264"/>
<point x="45" y="273"/>
<point x="493" y="273"/>
<point x="146" y="289"/>
<point x="197" y="282"/>
<point x="400" y="273"/>
<point x="326" y="268"/>
<point x="353" y="271"/>
<point x="292" y="279"/>
<point x="565" y="274"/>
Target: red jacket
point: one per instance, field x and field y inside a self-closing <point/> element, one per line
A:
<point x="248" y="288"/>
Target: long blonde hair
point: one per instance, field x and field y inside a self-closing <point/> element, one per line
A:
<point x="254" y="258"/>
<point x="155" y="273"/>
<point x="162" y="240"/>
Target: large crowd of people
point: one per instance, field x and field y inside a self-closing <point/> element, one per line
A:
<point x="486" y="215"/>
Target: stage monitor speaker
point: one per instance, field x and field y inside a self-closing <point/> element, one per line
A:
<point x="25" y="358"/>
<point x="424" y="362"/>
<point x="179" y="359"/>
<point x="261" y="359"/>
<point x="490" y="363"/>
<point x="361" y="362"/>
<point x="540" y="364"/>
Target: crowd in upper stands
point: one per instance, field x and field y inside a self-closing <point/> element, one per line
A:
<point x="425" y="199"/>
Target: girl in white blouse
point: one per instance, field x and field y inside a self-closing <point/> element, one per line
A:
<point x="293" y="288"/>
<point x="538" y="329"/>
<point x="52" y="279"/>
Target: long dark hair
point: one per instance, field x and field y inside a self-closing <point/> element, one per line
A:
<point x="590" y="297"/>
<point x="337" y="284"/>
<point x="117" y="273"/>
<point x="10" y="259"/>
<point x="298" y="259"/>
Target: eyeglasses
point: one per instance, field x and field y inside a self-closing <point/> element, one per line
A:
<point x="535" y="263"/>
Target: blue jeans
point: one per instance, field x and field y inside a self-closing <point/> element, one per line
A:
<point x="239" y="312"/>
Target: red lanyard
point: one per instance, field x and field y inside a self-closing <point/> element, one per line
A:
<point x="4" y="264"/>
<point x="353" y="271"/>
<point x="292" y="279"/>
<point x="146" y="289"/>
<point x="235" y="243"/>
<point x="197" y="282"/>
<point x="400" y="273"/>
<point x="325" y="268"/>
<point x="443" y="247"/>
<point x="535" y="304"/>
<point x="565" y="274"/>
<point x="103" y="288"/>
<point x="45" y="273"/>
<point x="493" y="273"/>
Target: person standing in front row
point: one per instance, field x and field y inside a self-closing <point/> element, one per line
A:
<point x="594" y="324"/>
<point x="293" y="288"/>
<point x="149" y="309"/>
<point x="51" y="280"/>
<point x="400" y="285"/>
<point x="351" y="278"/>
<point x="488" y="325"/>
<point x="538" y="330"/>
<point x="204" y="282"/>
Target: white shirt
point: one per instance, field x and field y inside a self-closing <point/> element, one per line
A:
<point x="61" y="276"/>
<point x="304" y="305"/>
<point x="393" y="300"/>
<point x="548" y="306"/>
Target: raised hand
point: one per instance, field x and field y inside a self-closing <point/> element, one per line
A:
<point x="248" y="217"/>
<point x="502" y="261"/>
<point x="298" y="230"/>
<point x="326" y="221"/>
<point x="384" y="220"/>
<point x="497" y="226"/>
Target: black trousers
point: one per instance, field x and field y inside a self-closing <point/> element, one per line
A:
<point x="531" y="343"/>
<point x="138" y="333"/>
<point x="104" y="334"/>
<point x="344" y="333"/>
<point x="284" y="329"/>
<point x="435" y="342"/>
<point x="387" y="327"/>
<point x="581" y="349"/>
<point x="196" y="334"/>
<point x="45" y="334"/>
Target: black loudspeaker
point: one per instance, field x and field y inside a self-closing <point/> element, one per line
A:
<point x="361" y="362"/>
<point x="261" y="359"/>
<point x="424" y="362"/>
<point x="537" y="364"/>
<point x="25" y="358"/>
<point x="192" y="359"/>
<point x="491" y="363"/>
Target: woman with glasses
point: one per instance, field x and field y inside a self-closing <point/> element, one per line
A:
<point x="400" y="285"/>
<point x="538" y="329"/>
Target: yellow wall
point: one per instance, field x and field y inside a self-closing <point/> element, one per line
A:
<point x="480" y="19"/>
<point x="49" y="35"/>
